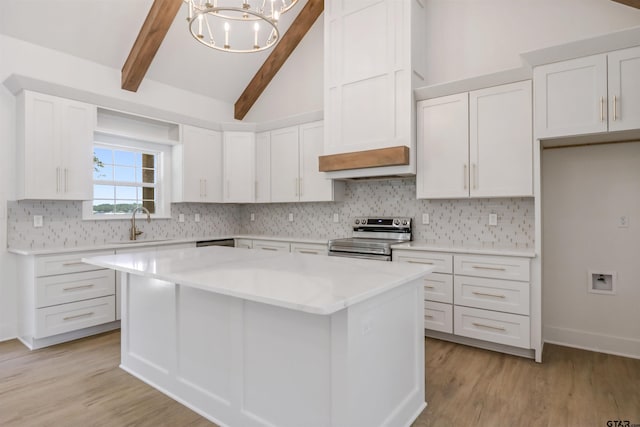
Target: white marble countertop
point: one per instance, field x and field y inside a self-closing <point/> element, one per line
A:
<point x="422" y="246"/>
<point x="121" y="244"/>
<point x="309" y="283"/>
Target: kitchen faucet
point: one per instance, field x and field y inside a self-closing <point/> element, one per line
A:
<point x="134" y="232"/>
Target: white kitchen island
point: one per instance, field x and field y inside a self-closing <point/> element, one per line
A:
<point x="248" y="338"/>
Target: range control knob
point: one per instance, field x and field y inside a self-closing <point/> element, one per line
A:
<point x="396" y="222"/>
<point x="357" y="221"/>
<point x="364" y="221"/>
<point x="405" y="222"/>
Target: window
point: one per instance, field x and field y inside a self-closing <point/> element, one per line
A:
<point x="127" y="176"/>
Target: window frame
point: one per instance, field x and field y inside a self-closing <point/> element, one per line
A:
<point x="162" y="185"/>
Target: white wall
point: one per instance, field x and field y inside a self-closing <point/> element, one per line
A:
<point x="467" y="38"/>
<point x="585" y="191"/>
<point x="298" y="86"/>
<point x="86" y="80"/>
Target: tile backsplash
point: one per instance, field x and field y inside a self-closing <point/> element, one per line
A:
<point x="454" y="222"/>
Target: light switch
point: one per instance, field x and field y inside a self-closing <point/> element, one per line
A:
<point x="425" y="218"/>
<point x="493" y="219"/>
<point x="37" y="221"/>
<point x="181" y="218"/>
<point x="197" y="217"/>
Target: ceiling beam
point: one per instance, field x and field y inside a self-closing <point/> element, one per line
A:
<point x="632" y="3"/>
<point x="150" y="37"/>
<point x="278" y="57"/>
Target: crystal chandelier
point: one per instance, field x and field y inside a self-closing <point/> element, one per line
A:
<point x="240" y="26"/>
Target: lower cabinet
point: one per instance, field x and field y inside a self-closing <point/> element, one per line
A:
<point x="282" y="246"/>
<point x="481" y="297"/>
<point x="61" y="298"/>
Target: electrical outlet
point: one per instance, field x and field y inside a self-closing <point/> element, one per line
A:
<point x="197" y="218"/>
<point x="493" y="219"/>
<point x="336" y="217"/>
<point x="425" y="218"/>
<point x="37" y="221"/>
<point x="623" y="221"/>
<point x="290" y="217"/>
<point x="253" y="216"/>
<point x="181" y="218"/>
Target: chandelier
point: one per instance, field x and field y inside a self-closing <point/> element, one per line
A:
<point x="239" y="26"/>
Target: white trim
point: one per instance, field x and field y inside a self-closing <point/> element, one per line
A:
<point x="601" y="343"/>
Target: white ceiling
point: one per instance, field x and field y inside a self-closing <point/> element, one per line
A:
<point x="104" y="31"/>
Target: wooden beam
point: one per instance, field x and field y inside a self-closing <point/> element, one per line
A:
<point x="632" y="3"/>
<point x="150" y="37"/>
<point x="278" y="56"/>
<point x="392" y="156"/>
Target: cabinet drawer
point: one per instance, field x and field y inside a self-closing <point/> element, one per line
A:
<point x="269" y="245"/>
<point x="63" y="318"/>
<point x="438" y="317"/>
<point x="507" y="268"/>
<point x="492" y="294"/>
<point x="243" y="243"/>
<point x="48" y="265"/>
<point x="441" y="261"/>
<point x="438" y="287"/>
<point x="501" y="328"/>
<point x="309" y="248"/>
<point x="64" y="288"/>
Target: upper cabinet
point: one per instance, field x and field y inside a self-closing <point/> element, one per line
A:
<point x="55" y="146"/>
<point x="588" y="95"/>
<point x="476" y="144"/>
<point x="197" y="166"/>
<point x="238" y="151"/>
<point x="294" y="165"/>
<point x="373" y="59"/>
<point x="263" y="167"/>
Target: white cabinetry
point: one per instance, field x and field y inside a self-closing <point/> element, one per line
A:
<point x="476" y="144"/>
<point x="309" y="248"/>
<point x="55" y="145"/>
<point x="480" y="297"/>
<point x="587" y="95"/>
<point x="239" y="167"/>
<point x="62" y="298"/>
<point x="271" y="245"/>
<point x="294" y="165"/>
<point x="197" y="166"/>
<point x="374" y="57"/>
<point x="282" y="246"/>
<point x="263" y="167"/>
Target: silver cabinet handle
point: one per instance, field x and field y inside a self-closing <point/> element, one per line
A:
<point x="602" y="108"/>
<point x="487" y="295"/>
<point x="482" y="325"/>
<point x="420" y="262"/>
<point x="429" y="286"/>
<point x="73" y="288"/>
<point x="428" y="316"/>
<point x="77" y="316"/>
<point x="465" y="178"/>
<point x="265" y="248"/>
<point x="308" y="252"/>
<point x="482" y="267"/>
<point x="70" y="263"/>
<point x="615" y="108"/>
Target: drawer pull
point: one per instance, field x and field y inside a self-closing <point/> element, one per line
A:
<point x="309" y="252"/>
<point x="67" y="264"/>
<point x="484" y="294"/>
<point x="429" y="286"/>
<point x="77" y="316"/>
<point x="482" y="325"/>
<point x="420" y="262"/>
<point x="482" y="267"/>
<point x="268" y="249"/>
<point x="73" y="288"/>
<point x="428" y="316"/>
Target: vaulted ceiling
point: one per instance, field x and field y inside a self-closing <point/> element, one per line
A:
<point x="104" y="31"/>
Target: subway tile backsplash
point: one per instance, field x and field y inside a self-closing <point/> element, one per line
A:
<point x="456" y="222"/>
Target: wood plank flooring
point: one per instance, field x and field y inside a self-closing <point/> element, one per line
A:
<point x="80" y="384"/>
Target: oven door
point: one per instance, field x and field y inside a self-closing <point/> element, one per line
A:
<point x="361" y="255"/>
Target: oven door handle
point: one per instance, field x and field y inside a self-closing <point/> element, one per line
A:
<point x="360" y="256"/>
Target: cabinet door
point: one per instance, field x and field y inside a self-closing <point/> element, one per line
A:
<point x="571" y="97"/>
<point x="201" y="165"/>
<point x="314" y="186"/>
<point x="76" y="149"/>
<point x="285" y="183"/>
<point x="624" y="89"/>
<point x="239" y="167"/>
<point x="263" y="167"/>
<point x="443" y="147"/>
<point x="501" y="141"/>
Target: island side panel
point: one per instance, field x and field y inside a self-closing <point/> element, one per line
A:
<point x="378" y="360"/>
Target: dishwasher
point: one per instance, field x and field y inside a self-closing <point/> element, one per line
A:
<point x="219" y="242"/>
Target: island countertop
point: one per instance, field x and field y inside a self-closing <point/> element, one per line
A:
<point x="309" y="283"/>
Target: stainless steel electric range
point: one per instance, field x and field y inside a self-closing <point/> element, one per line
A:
<point x="372" y="238"/>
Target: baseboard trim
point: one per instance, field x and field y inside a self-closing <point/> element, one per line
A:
<point x="486" y="345"/>
<point x="600" y="343"/>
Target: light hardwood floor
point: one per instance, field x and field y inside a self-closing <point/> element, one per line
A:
<point x="80" y="384"/>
